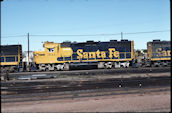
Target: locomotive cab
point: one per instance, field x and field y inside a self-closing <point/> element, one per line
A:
<point x="52" y="57"/>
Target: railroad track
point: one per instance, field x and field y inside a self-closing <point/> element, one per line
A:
<point x="81" y="94"/>
<point x="93" y="72"/>
<point x="51" y="89"/>
<point x="14" y="91"/>
<point x="60" y="86"/>
<point x="101" y="71"/>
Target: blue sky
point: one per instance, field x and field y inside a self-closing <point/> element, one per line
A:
<point x="83" y="17"/>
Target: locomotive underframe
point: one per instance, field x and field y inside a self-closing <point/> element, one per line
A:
<point x="160" y="63"/>
<point x="156" y="63"/>
<point x="68" y="65"/>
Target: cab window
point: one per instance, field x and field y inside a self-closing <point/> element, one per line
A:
<point x="50" y="49"/>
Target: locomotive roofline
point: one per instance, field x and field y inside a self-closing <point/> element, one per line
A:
<point x="12" y="45"/>
<point x="92" y="41"/>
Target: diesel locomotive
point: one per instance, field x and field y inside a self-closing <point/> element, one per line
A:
<point x="11" y="57"/>
<point x="61" y="56"/>
<point x="159" y="53"/>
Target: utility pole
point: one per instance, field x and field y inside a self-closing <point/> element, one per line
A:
<point x="121" y="35"/>
<point x="28" y="48"/>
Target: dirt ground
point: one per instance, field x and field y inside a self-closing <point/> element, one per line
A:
<point x="151" y="102"/>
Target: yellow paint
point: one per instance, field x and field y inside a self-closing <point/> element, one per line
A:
<point x="163" y="53"/>
<point x="51" y="52"/>
<point x="112" y="60"/>
<point x="103" y="54"/>
<point x="149" y="50"/>
<point x="92" y="55"/>
<point x="19" y="55"/>
<point x="99" y="54"/>
<point x="113" y="52"/>
<point x="132" y="49"/>
<point x="9" y="63"/>
<point x="168" y="53"/>
<point x="158" y="59"/>
<point x="79" y="52"/>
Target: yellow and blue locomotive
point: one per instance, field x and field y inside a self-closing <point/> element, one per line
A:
<point x="159" y="53"/>
<point x="60" y="56"/>
<point x="11" y="57"/>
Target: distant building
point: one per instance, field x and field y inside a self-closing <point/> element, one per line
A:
<point x="140" y="54"/>
<point x="144" y="53"/>
<point x="25" y="56"/>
